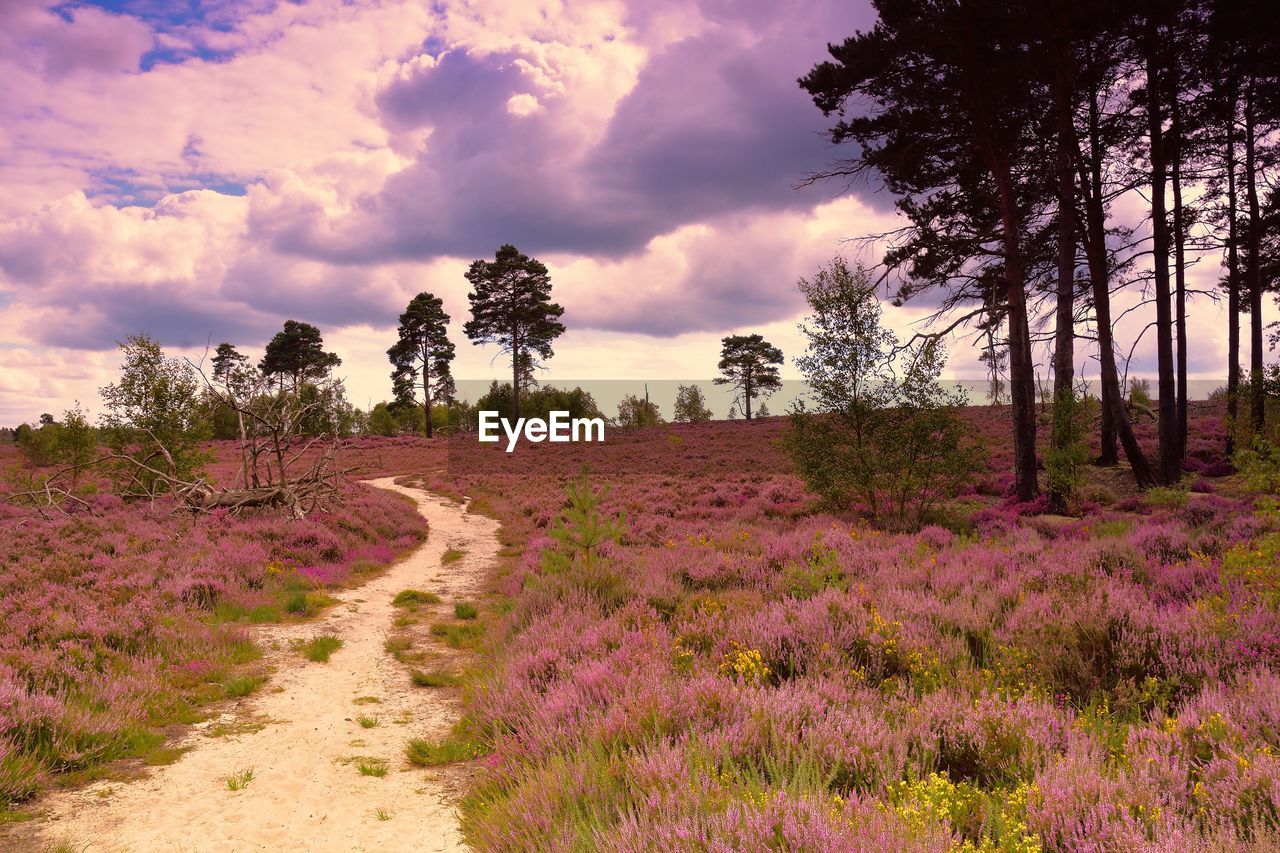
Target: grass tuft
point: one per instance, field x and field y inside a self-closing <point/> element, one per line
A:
<point x="376" y="767"/>
<point x="465" y="610"/>
<point x="368" y="722"/>
<point x="435" y="678"/>
<point x="425" y="753"/>
<point x="296" y="602"/>
<point x="319" y="648"/>
<point x="452" y="555"/>
<point x="7" y="816"/>
<point x="239" y="781"/>
<point x="458" y="635"/>
<point x="397" y="645"/>
<point x="410" y="597"/>
<point x="66" y="845"/>
<point x="242" y="685"/>
<point x="306" y="603"/>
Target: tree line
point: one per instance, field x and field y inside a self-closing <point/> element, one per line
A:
<point x="1009" y="133"/>
<point x="511" y="307"/>
<point x="163" y="408"/>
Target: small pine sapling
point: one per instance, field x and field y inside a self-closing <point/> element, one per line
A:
<point x="583" y="529"/>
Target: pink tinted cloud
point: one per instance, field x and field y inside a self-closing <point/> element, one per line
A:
<point x="83" y="38"/>
<point x="648" y="151"/>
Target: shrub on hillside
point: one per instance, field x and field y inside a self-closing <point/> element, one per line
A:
<point x="636" y="412"/>
<point x="1068" y="452"/>
<point x="691" y="405"/>
<point x="1259" y="465"/>
<point x="895" y="445"/>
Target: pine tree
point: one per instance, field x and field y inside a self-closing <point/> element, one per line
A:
<point x="511" y="306"/>
<point x="421" y="356"/>
<point x="945" y="103"/>
<point x="749" y="364"/>
<point x="297" y="351"/>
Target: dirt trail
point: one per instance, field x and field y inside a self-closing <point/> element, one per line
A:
<point x="306" y="794"/>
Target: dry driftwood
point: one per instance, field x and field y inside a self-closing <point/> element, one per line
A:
<point x="273" y="454"/>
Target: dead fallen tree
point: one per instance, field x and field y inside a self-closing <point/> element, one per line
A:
<point x="298" y="492"/>
<point x="282" y="465"/>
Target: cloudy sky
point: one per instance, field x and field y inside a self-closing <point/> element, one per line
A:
<point x="205" y="170"/>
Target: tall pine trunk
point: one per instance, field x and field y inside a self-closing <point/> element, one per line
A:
<point x="426" y="390"/>
<point x="1233" y="282"/>
<point x="1021" y="366"/>
<point x="515" y="374"/>
<point x="1112" y="398"/>
<point x="1022" y="390"/>
<point x="1257" y="408"/>
<point x="1108" y="454"/>
<point x="1179" y="273"/>
<point x="1170" y="464"/>
<point x="1093" y="236"/>
<point x="1095" y="242"/>
<point x="1064" y="332"/>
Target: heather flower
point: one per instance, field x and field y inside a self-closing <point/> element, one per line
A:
<point x="106" y="619"/>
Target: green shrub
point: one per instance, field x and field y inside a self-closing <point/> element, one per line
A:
<point x="1256" y="567"/>
<point x="691" y="405"/>
<point x="886" y="435"/>
<point x="635" y="412"/>
<point x="40" y="446"/>
<point x="1068" y="451"/>
<point x="1259" y="466"/>
<point x="582" y="530"/>
<point x="820" y="570"/>
<point x="1140" y="395"/>
<point x="1100" y="495"/>
<point x="900" y="453"/>
<point x="995" y="821"/>
<point x="1165" y="496"/>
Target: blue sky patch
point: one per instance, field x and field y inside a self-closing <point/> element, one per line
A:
<point x="128" y="188"/>
<point x="179" y="18"/>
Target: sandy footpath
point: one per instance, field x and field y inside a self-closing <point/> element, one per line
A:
<point x="306" y="793"/>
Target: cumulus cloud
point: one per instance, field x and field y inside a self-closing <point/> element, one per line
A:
<point x="729" y="272"/>
<point x="87" y="275"/>
<point x="184" y="270"/>
<point x="712" y="123"/>
<point x="81" y="38"/>
<point x="206" y="174"/>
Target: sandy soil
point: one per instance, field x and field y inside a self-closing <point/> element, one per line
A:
<point x="306" y="793"/>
